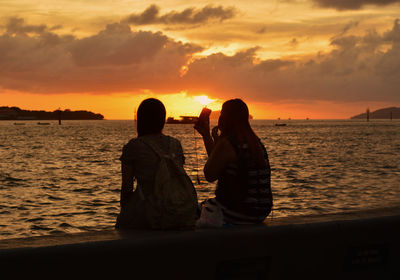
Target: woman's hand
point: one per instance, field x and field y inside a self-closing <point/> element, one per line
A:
<point x="203" y="128"/>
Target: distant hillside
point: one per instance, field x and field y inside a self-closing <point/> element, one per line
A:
<point x="381" y="114"/>
<point x="15" y="113"/>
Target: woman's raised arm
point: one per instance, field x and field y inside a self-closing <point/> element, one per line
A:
<point x="222" y="154"/>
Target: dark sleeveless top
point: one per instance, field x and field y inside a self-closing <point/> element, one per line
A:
<point x="244" y="187"/>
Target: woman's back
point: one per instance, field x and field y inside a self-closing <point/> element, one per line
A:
<point x="245" y="186"/>
<point x="164" y="196"/>
<point x="144" y="161"/>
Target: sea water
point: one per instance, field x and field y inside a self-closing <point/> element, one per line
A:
<point x="66" y="178"/>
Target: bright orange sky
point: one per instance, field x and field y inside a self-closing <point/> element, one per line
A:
<point x="288" y="59"/>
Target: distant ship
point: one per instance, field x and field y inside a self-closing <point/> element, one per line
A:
<point x="183" y="120"/>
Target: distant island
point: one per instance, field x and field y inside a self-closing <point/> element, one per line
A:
<point x="15" y="113"/>
<point x="385" y="113"/>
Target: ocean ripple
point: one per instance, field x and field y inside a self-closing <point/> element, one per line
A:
<point x="63" y="179"/>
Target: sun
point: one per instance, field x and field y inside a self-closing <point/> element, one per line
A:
<point x="203" y="100"/>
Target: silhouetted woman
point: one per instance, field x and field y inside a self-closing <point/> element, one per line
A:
<point x="239" y="161"/>
<point x="140" y="161"/>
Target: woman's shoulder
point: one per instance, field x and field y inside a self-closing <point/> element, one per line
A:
<point x="225" y="145"/>
<point x="173" y="140"/>
<point x="231" y="142"/>
<point x="133" y="144"/>
<point x="160" y="139"/>
<point x="174" y="145"/>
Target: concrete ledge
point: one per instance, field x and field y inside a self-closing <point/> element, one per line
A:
<point x="355" y="245"/>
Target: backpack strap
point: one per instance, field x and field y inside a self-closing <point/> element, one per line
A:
<point x="159" y="152"/>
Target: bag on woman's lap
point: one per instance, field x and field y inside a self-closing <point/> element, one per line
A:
<point x="211" y="215"/>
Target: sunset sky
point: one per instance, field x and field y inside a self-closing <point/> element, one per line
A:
<point x="284" y="58"/>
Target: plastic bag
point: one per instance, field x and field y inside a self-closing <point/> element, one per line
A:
<point x="211" y="215"/>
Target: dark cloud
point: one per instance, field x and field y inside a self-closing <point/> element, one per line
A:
<point x="272" y="65"/>
<point x="394" y="34"/>
<point x="117" y="45"/>
<point x="294" y="43"/>
<point x="352" y="4"/>
<point x="152" y="15"/>
<point x="261" y="30"/>
<point x="18" y="26"/>
<point x="359" y="68"/>
<point x="349" y="26"/>
<point x="115" y="59"/>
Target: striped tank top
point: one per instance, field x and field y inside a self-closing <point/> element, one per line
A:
<point x="244" y="188"/>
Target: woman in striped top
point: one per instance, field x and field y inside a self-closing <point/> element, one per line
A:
<point x="239" y="161"/>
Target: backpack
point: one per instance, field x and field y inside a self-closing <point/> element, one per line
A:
<point x="173" y="202"/>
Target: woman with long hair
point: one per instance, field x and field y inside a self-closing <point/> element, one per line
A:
<point x="239" y="161"/>
<point x="147" y="204"/>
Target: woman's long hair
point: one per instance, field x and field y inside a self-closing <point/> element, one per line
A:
<point x="234" y="122"/>
<point x="150" y="117"/>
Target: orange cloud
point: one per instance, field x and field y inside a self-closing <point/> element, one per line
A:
<point x="358" y="68"/>
<point x="117" y="59"/>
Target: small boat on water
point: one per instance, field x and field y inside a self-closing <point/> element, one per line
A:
<point x="280" y="124"/>
<point x="16" y="123"/>
<point x="182" y="120"/>
<point x="43" y="123"/>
